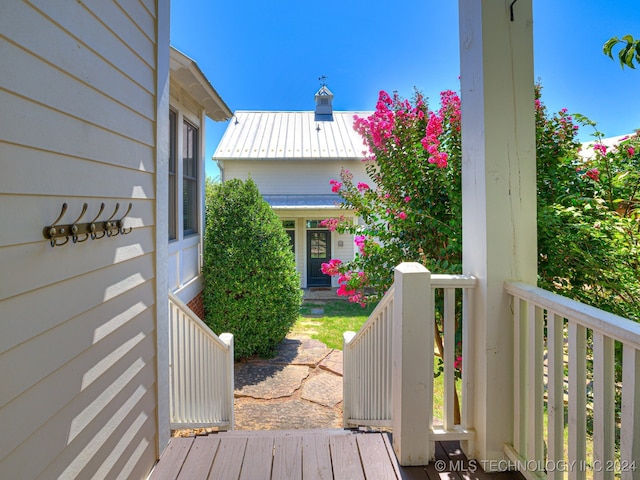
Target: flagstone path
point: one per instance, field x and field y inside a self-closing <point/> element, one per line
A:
<point x="300" y="388"/>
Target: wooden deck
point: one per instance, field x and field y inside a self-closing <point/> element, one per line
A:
<point x="306" y="454"/>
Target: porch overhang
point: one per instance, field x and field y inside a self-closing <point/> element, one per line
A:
<point x="188" y="75"/>
<point x="302" y="201"/>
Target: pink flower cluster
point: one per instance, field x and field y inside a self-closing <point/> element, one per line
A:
<point x="335" y="186"/>
<point x="380" y="123"/>
<point x="457" y="363"/>
<point x="593" y="174"/>
<point x="381" y="129"/>
<point x="359" y="240"/>
<point x="450" y="110"/>
<point x="599" y="147"/>
<point x="331" y="268"/>
<point x="330" y="223"/>
<point x="362" y="187"/>
<point x="345" y="291"/>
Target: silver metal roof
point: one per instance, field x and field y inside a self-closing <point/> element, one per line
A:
<point x="290" y="135"/>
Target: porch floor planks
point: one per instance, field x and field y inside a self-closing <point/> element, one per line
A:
<point x="345" y="458"/>
<point x="258" y="458"/>
<point x="173" y="458"/>
<point x="199" y="459"/>
<point x="375" y="457"/>
<point x="307" y="454"/>
<point x="316" y="457"/>
<point x="229" y="458"/>
<point x="287" y="458"/>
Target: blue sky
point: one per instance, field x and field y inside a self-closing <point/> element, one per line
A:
<point x="268" y="55"/>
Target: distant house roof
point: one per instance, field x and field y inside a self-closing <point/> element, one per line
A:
<point x="299" y="201"/>
<point x="186" y="73"/>
<point x="256" y="135"/>
<point x="587" y="152"/>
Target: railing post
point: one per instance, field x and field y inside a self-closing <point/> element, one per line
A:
<point x="347" y="377"/>
<point x="227" y="338"/>
<point x="412" y="365"/>
<point x="629" y="441"/>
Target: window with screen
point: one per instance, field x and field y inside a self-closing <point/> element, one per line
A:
<point x="173" y="187"/>
<point x="190" y="178"/>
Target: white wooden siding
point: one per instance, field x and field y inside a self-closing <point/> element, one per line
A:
<point x="293" y="177"/>
<point x="77" y="333"/>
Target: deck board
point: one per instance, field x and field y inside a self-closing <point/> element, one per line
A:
<point x="229" y="458"/>
<point x="258" y="458"/>
<point x="310" y="455"/>
<point x="198" y="462"/>
<point x="345" y="458"/>
<point x="287" y="458"/>
<point x="173" y="459"/>
<point x="375" y="458"/>
<point x="404" y="473"/>
<point x="316" y="457"/>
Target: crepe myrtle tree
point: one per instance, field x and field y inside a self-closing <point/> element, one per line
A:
<point x="251" y="286"/>
<point x="412" y="210"/>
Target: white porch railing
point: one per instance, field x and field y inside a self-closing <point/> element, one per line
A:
<point x="577" y="337"/>
<point x="201" y="372"/>
<point x="373" y="367"/>
<point x="367" y="369"/>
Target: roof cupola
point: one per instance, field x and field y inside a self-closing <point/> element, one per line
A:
<point x="324" y="100"/>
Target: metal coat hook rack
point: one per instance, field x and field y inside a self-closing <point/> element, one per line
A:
<point x="60" y="234"/>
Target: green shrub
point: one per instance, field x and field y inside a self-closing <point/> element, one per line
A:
<point x="252" y="288"/>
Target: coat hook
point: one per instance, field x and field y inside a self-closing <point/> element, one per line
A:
<point x="511" y="9"/>
<point x="74" y="226"/>
<point x="120" y="222"/>
<point x="52" y="231"/>
<point x="109" y="225"/>
<point x="92" y="224"/>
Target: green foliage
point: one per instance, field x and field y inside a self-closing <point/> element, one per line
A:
<point x="628" y="55"/>
<point x="588" y="217"/>
<point x="252" y="288"/>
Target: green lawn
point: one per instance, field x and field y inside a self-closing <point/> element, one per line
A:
<point x="338" y="316"/>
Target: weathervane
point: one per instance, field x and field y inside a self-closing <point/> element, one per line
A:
<point x="323" y="79"/>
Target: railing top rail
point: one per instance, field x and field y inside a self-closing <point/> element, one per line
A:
<point x="386" y="299"/>
<point x="203" y="326"/>
<point x="614" y="326"/>
<point x="453" y="281"/>
<point x="437" y="281"/>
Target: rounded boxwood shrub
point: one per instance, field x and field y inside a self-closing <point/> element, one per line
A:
<point x="252" y="288"/>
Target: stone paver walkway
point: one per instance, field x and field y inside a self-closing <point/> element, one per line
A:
<point x="300" y="388"/>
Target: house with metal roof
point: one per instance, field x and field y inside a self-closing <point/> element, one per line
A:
<point x="292" y="157"/>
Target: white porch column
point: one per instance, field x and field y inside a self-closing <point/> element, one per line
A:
<point x="499" y="196"/>
<point x="162" y="225"/>
<point x="412" y="364"/>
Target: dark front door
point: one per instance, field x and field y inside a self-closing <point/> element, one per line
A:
<point x="318" y="252"/>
